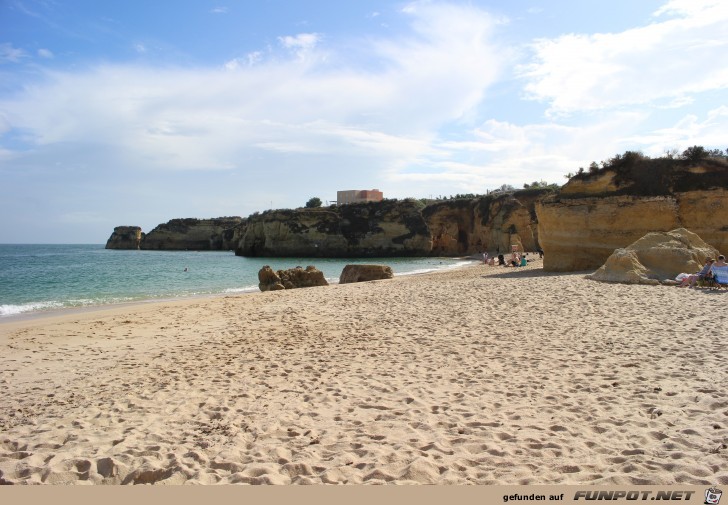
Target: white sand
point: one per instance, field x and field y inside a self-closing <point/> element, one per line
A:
<point x="486" y="375"/>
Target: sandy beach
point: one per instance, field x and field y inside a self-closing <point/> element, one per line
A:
<point x="483" y="375"/>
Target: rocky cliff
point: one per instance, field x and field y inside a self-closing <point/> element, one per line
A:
<point x="194" y="234"/>
<point x="388" y="228"/>
<point x="594" y="214"/>
<point x="125" y="237"/>
<point x="490" y="223"/>
<point x="578" y="227"/>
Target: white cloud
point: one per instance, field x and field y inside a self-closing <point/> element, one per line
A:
<point x="302" y="45"/>
<point x="140" y="48"/>
<point x="10" y="54"/>
<point x="45" y="53"/>
<point x="219" y="10"/>
<point x="671" y="58"/>
<point x="687" y="131"/>
<point x="352" y="113"/>
<point x="250" y="59"/>
<point x="208" y="118"/>
<point x="703" y="8"/>
<point x="501" y="152"/>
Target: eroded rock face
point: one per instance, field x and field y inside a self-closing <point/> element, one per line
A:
<point x="292" y="278"/>
<point x="193" y="234"/>
<point x="364" y="273"/>
<point x="655" y="258"/>
<point x="580" y="234"/>
<point x="358" y="230"/>
<point x="125" y="237"/>
<point x="591" y="217"/>
<point x="493" y="224"/>
<point x="268" y="280"/>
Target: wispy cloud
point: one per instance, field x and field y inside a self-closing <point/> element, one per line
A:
<point x="302" y="45"/>
<point x="667" y="59"/>
<point x="687" y="131"/>
<point x="376" y="111"/>
<point x="45" y="53"/>
<point x="219" y="10"/>
<point x="210" y="118"/>
<point x="11" y="54"/>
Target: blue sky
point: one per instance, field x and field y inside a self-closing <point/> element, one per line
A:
<point x="137" y="112"/>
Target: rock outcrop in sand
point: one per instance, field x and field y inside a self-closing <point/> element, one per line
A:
<point x="655" y="258"/>
<point x="290" y="279"/>
<point x="125" y="237"/>
<point x="364" y="273"/>
<point x="594" y="214"/>
<point x="388" y="228"/>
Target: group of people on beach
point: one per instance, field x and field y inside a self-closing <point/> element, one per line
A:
<point x="705" y="273"/>
<point x="517" y="260"/>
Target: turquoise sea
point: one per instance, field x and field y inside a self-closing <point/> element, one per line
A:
<point x="35" y="278"/>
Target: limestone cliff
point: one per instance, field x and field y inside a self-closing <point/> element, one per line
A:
<point x="594" y="214"/>
<point x="490" y="223"/>
<point x="372" y="229"/>
<point x="125" y="237"/>
<point x="193" y="234"/>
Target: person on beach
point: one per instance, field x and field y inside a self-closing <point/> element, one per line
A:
<point x="501" y="260"/>
<point x="721" y="262"/>
<point x="524" y="260"/>
<point x="485" y="258"/>
<point x="690" y="280"/>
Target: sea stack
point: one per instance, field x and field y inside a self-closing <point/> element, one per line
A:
<point x="125" y="237"/>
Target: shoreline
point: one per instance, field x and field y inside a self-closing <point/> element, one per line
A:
<point x="62" y="312"/>
<point x="478" y="375"/>
<point x="79" y="309"/>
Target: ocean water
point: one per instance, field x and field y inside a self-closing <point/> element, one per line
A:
<point x="35" y="278"/>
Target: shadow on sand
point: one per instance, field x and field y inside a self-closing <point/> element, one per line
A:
<point x="517" y="273"/>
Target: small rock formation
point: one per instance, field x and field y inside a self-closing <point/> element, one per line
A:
<point x="364" y="273"/>
<point x="657" y="257"/>
<point x="290" y="279"/>
<point x="125" y="237"/>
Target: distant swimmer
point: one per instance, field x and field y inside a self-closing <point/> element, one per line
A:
<point x="185" y="269"/>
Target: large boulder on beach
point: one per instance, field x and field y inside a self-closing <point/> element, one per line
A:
<point x="364" y="273"/>
<point x="657" y="257"/>
<point x="268" y="280"/>
<point x="290" y="279"/>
